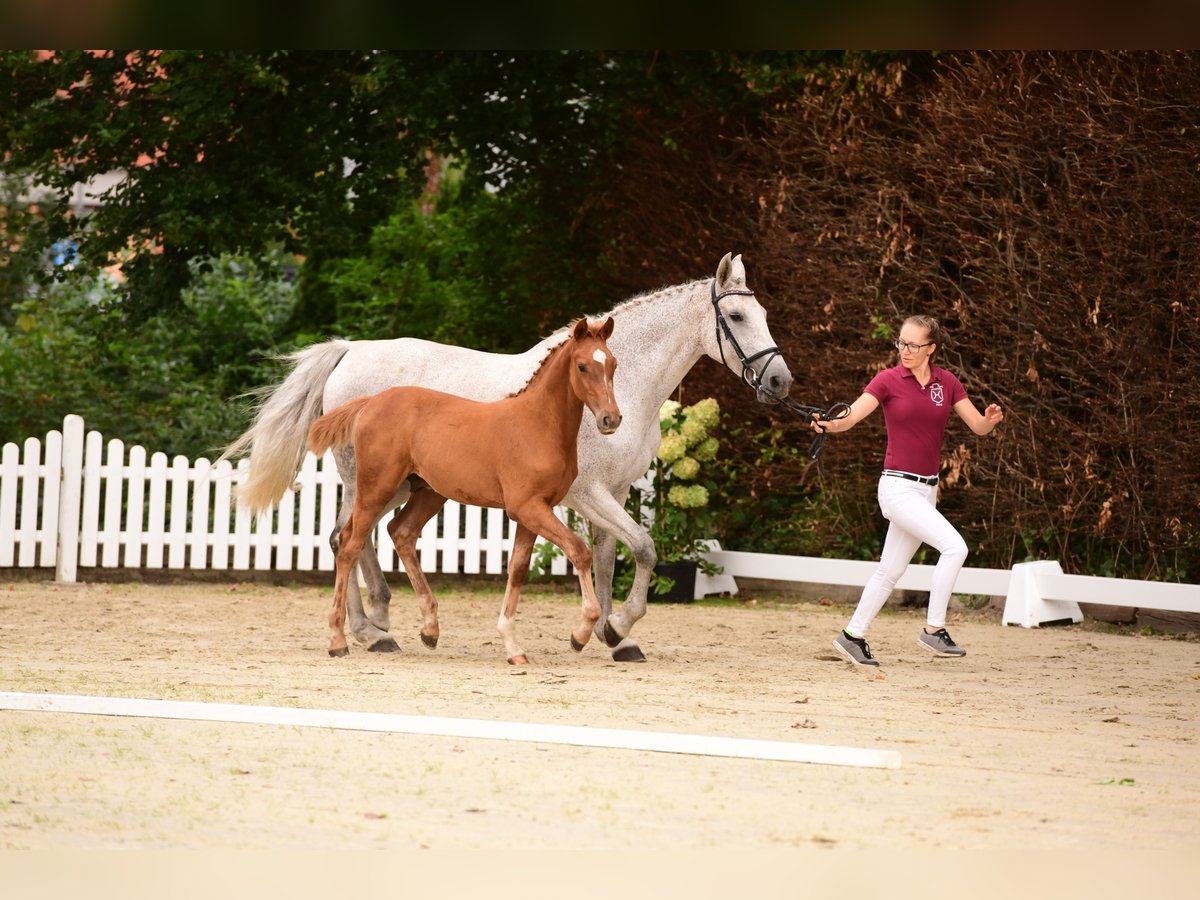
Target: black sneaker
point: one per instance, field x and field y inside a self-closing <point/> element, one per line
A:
<point x="939" y="643"/>
<point x="855" y="650"/>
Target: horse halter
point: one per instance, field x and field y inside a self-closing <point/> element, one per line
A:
<point x="749" y="376"/>
<point x="754" y="380"/>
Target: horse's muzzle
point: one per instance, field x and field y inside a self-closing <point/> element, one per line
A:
<point x="774" y="387"/>
<point x="607" y="423"/>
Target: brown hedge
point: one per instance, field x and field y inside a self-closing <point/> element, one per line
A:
<point x="1045" y="206"/>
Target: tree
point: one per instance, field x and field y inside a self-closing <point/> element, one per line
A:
<point x="224" y="152"/>
<point x="233" y="152"/>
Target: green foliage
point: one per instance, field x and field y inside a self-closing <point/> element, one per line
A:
<point x="446" y="274"/>
<point x="233" y="152"/>
<point x="165" y="382"/>
<point x="679" y="517"/>
<point x="18" y="267"/>
<point x="792" y="516"/>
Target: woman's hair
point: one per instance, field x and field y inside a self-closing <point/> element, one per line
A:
<point x="931" y="326"/>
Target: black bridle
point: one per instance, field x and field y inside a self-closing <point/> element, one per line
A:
<point x="749" y="376"/>
<point x="754" y="380"/>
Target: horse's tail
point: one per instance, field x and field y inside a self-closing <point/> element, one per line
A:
<point x="276" y="440"/>
<point x="335" y="430"/>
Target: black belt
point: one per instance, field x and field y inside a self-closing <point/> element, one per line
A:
<point x="920" y="479"/>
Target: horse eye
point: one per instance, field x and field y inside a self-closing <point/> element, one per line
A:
<point x="582" y="367"/>
<point x="737" y="317"/>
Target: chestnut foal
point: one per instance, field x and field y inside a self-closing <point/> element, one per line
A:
<point x="518" y="454"/>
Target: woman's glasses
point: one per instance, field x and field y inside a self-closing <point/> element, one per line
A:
<point x="911" y="348"/>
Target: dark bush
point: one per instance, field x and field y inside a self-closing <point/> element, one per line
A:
<point x="1045" y="207"/>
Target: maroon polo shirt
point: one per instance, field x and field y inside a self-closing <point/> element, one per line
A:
<point x="915" y="416"/>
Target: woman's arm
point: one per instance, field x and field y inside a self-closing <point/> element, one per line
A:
<point x="859" y="410"/>
<point x="980" y="423"/>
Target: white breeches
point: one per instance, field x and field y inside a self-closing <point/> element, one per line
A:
<point x="911" y="510"/>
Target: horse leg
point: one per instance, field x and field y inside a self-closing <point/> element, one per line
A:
<point x="404" y="529"/>
<point x="542" y="520"/>
<point x="608" y="517"/>
<point x="604" y="561"/>
<point x="518" y="572"/>
<point x="370" y="630"/>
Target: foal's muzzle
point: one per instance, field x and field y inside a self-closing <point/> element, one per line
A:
<point x="607" y="423"/>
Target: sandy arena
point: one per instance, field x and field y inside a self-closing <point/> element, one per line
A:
<point x="1053" y="738"/>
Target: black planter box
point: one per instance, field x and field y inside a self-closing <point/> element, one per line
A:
<point x="684" y="590"/>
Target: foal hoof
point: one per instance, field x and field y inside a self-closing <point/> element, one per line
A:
<point x="428" y="641"/>
<point x="610" y="635"/>
<point x="521" y="660"/>
<point x="385" y="645"/>
<point x="340" y="651"/>
<point x="575" y="645"/>
<point x="632" y="653"/>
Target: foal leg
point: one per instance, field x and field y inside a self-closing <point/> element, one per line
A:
<point x="404" y="529"/>
<point x="369" y="629"/>
<point x="518" y="572"/>
<point x="542" y="520"/>
<point x="350" y="544"/>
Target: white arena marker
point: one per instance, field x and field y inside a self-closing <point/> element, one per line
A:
<point x="620" y="739"/>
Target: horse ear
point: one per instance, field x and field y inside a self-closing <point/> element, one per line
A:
<point x="606" y="329"/>
<point x="723" y="270"/>
<point x="579" y="332"/>
<point x="737" y="272"/>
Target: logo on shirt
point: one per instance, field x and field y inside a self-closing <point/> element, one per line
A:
<point x="936" y="394"/>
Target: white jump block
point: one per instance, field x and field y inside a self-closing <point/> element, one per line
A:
<point x="714" y="584"/>
<point x="1025" y="605"/>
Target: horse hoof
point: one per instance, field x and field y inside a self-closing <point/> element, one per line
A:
<point x="428" y="641"/>
<point x="521" y="660"/>
<point x="632" y="653"/>
<point x="575" y="645"/>
<point x="610" y="635"/>
<point x="385" y="645"/>
<point x="339" y="651"/>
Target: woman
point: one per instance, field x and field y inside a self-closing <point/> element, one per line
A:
<point x="916" y="397"/>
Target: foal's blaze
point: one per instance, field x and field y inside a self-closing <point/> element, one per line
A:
<point x="518" y="454"/>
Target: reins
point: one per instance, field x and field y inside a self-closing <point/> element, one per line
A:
<point x="754" y="380"/>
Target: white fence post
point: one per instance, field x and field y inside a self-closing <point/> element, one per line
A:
<point x="69" y="497"/>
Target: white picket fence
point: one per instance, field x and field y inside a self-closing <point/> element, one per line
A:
<point x="75" y="501"/>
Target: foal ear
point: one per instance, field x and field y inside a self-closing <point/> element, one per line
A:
<point x="579" y="332"/>
<point x="606" y="329"/>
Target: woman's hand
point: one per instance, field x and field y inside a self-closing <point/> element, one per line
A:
<point x="821" y="426"/>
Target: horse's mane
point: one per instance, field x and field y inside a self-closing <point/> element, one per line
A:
<point x="650" y="296"/>
<point x="624" y="306"/>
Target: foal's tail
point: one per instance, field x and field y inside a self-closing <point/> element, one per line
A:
<point x="275" y="442"/>
<point x="335" y="430"/>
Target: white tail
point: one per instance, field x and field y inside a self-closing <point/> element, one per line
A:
<point x="277" y="440"/>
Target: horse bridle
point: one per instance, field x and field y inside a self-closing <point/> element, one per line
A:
<point x="754" y="380"/>
<point x="749" y="376"/>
